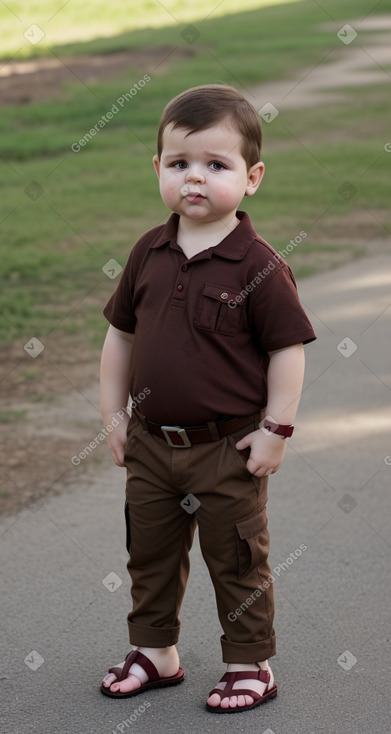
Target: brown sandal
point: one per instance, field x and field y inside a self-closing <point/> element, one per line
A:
<point x="155" y="681"/>
<point x="230" y="678"/>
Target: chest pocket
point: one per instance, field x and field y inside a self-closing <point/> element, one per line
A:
<point x="218" y="311"/>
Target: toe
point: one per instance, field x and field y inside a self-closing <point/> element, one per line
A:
<point x="129" y="684"/>
<point x="214" y="700"/>
<point x="136" y="678"/>
<point x="115" y="687"/>
<point x="241" y="701"/>
<point x="225" y="703"/>
<point x="233" y="702"/>
<point x="248" y="700"/>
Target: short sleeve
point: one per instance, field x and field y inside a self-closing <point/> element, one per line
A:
<point x="119" y="308"/>
<point x="276" y="313"/>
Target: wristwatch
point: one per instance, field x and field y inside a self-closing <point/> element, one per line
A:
<point x="280" y="430"/>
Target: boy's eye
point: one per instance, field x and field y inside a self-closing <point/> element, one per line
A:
<point x="216" y="166"/>
<point x="180" y="165"/>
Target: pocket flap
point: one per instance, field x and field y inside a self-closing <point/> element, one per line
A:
<point x="252" y="526"/>
<point x="221" y="293"/>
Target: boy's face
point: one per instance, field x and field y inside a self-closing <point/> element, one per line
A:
<point x="203" y="176"/>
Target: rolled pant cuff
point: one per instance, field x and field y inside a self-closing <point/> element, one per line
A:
<point x="254" y="652"/>
<point x="152" y="636"/>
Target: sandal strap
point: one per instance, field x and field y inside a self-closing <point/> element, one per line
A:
<point x="230" y="679"/>
<point x="116" y="670"/>
<point x="136" y="657"/>
<point x="237" y="692"/>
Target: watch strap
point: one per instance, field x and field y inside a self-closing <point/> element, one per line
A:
<point x="281" y="430"/>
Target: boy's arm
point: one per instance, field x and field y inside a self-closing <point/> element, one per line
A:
<point x="114" y="387"/>
<point x="284" y="384"/>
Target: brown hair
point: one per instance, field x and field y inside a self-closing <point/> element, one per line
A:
<point x="201" y="107"/>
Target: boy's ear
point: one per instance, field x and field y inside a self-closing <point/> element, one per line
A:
<point x="156" y="165"/>
<point x="254" y="177"/>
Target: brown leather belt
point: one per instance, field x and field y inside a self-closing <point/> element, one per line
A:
<point x="182" y="438"/>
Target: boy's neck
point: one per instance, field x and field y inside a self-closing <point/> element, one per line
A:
<point x="194" y="237"/>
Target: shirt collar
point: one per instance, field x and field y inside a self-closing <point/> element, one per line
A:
<point x="232" y="247"/>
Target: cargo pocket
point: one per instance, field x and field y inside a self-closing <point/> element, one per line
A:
<point x="127" y="523"/>
<point x="217" y="309"/>
<point x="252" y="542"/>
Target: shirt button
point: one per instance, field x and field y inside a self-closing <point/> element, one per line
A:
<point x="184" y="268"/>
<point x="224" y="295"/>
<point x="179" y="287"/>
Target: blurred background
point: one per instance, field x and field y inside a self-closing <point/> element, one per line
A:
<point x="82" y="87"/>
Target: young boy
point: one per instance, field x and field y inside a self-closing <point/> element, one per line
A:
<point x="206" y="328"/>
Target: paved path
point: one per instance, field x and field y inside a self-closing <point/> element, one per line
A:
<point x="333" y="601"/>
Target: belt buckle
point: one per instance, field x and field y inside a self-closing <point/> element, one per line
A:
<point x="180" y="432"/>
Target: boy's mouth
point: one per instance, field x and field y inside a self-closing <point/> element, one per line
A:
<point x="194" y="197"/>
<point x="191" y="193"/>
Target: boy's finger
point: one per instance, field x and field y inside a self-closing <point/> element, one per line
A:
<point x="253" y="466"/>
<point x="243" y="443"/>
<point x="118" y="458"/>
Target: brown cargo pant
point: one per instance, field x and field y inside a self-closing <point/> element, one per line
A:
<point x="228" y="503"/>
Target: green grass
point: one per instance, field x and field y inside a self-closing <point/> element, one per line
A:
<point x="68" y="25"/>
<point x="90" y="206"/>
<point x="10" y="416"/>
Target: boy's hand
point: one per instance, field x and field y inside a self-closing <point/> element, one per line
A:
<point x="267" y="452"/>
<point x="117" y="440"/>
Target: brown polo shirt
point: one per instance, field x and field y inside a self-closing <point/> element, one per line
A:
<point x="203" y="327"/>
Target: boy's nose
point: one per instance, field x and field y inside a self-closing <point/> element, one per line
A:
<point x="194" y="173"/>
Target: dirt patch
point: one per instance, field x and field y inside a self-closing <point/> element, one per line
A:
<point x="49" y="414"/>
<point x="360" y="60"/>
<point x="357" y="227"/>
<point x="23" y="82"/>
<point x="341" y="69"/>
